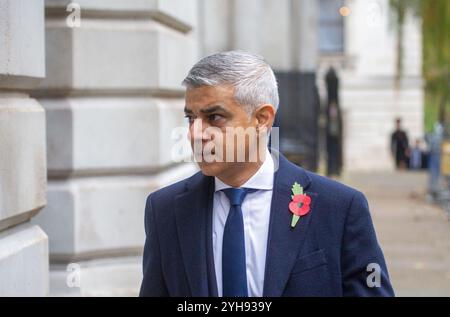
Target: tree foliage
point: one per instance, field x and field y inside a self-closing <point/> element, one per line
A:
<point x="435" y="16"/>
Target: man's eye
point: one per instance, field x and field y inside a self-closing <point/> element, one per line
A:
<point x="215" y="117"/>
<point x="190" y="119"/>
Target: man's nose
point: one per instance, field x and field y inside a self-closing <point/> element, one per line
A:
<point x="197" y="130"/>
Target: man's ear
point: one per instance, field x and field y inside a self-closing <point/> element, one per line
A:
<point x="265" y="116"/>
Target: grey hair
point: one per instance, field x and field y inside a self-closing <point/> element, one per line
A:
<point x="249" y="74"/>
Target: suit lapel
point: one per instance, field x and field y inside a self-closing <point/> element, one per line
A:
<point x="191" y="221"/>
<point x="284" y="242"/>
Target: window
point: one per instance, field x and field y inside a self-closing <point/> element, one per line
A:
<point x="331" y="27"/>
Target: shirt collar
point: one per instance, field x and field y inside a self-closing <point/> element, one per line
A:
<point x="262" y="179"/>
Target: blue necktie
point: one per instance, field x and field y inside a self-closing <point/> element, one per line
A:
<point x="234" y="276"/>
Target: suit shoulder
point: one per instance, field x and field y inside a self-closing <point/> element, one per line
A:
<point x="168" y="192"/>
<point x="337" y="199"/>
<point x="322" y="184"/>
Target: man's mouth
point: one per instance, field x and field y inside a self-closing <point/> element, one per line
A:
<point x="209" y="156"/>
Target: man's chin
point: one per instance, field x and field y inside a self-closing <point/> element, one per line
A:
<point x="210" y="169"/>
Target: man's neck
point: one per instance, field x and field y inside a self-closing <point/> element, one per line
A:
<point x="241" y="173"/>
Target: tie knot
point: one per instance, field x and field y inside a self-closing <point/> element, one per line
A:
<point x="237" y="195"/>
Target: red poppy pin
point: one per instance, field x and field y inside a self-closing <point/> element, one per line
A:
<point x="300" y="204"/>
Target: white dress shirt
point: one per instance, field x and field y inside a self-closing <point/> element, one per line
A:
<point x="256" y="214"/>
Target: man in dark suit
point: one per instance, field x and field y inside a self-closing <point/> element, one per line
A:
<point x="253" y="227"/>
<point x="400" y="146"/>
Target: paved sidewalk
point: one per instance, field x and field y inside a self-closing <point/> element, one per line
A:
<point x="414" y="235"/>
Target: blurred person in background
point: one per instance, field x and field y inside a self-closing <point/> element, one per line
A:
<point x="400" y="146"/>
<point x="434" y="141"/>
<point x="334" y="125"/>
<point x="416" y="156"/>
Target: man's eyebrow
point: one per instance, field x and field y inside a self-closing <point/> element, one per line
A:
<point x="207" y="110"/>
<point x="212" y="109"/>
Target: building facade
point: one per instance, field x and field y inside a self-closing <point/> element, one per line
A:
<point x="90" y="94"/>
<point x="371" y="99"/>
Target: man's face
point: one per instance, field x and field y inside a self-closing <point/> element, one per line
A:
<point x="212" y="111"/>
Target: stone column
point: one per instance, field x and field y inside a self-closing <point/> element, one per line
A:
<point x="246" y="25"/>
<point x="112" y="96"/>
<point x="304" y="26"/>
<point x="258" y="26"/>
<point x="215" y="27"/>
<point x="23" y="246"/>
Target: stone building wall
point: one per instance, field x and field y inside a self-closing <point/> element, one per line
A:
<point x="23" y="246"/>
<point x="112" y="95"/>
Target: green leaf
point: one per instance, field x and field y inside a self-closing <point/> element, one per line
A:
<point x="294" y="221"/>
<point x="297" y="189"/>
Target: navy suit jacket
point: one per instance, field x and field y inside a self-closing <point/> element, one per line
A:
<point x="326" y="254"/>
